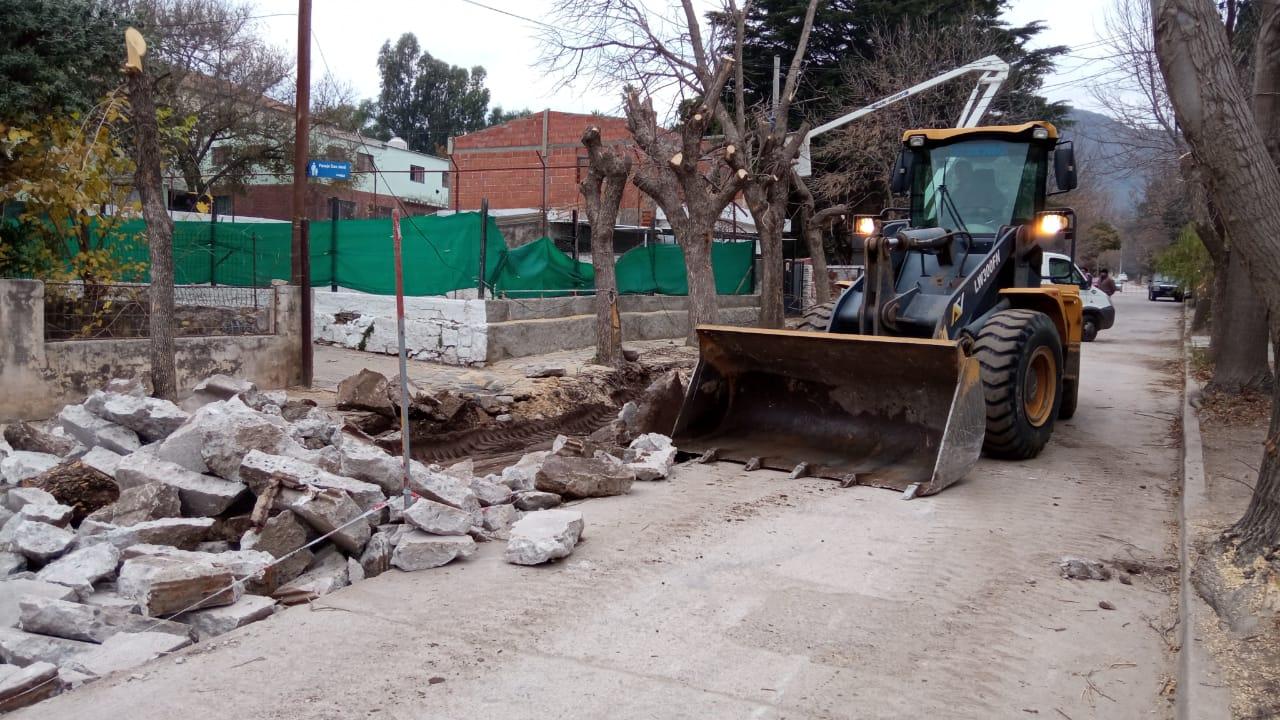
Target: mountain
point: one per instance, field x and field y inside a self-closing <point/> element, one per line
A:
<point x="1102" y="160"/>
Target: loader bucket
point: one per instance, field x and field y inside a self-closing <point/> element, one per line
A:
<point x="889" y="412"/>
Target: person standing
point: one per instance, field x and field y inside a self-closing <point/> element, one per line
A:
<point x="1105" y="283"/>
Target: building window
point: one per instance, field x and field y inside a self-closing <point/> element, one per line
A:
<point x="417" y="174"/>
<point x="222" y="205"/>
<point x="444" y="179"/>
<point x="221" y="154"/>
<point x="364" y="162"/>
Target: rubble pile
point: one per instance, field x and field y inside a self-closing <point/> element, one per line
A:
<point x="131" y="527"/>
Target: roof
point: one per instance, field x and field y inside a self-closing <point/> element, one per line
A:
<point x="939" y="134"/>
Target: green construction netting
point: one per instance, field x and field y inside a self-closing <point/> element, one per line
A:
<point x="540" y="269"/>
<point x="660" y="269"/>
<point x="440" y="253"/>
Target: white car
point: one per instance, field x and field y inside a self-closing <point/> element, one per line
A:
<point x="1099" y="313"/>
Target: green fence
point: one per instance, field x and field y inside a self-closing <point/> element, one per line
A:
<point x="441" y="254"/>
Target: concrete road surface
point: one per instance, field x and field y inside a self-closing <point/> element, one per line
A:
<point x="724" y="594"/>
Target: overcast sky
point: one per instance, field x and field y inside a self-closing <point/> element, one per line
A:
<point x="349" y="34"/>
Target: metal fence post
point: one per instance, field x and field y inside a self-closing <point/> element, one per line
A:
<point x="213" y="245"/>
<point x="484" y="242"/>
<point x="333" y="246"/>
<point x="253" y="265"/>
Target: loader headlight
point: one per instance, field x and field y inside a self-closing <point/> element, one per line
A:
<point x="864" y="226"/>
<point x="1051" y="224"/>
<point x="916" y="141"/>
<point x="1040" y="133"/>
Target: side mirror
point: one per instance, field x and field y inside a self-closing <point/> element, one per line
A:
<point x="1064" y="166"/>
<point x="1084" y="283"/>
<point x="901" y="180"/>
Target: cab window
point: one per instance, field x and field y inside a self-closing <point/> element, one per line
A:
<point x="1063" y="272"/>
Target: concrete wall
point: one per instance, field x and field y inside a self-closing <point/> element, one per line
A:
<point x="476" y="332"/>
<point x="39" y="377"/>
<point x="437" y="329"/>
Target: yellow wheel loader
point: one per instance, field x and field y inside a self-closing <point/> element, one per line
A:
<point x="947" y="346"/>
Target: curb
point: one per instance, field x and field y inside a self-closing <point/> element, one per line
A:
<point x="1201" y="692"/>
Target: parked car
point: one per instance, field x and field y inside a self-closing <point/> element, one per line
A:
<point x="1099" y="313"/>
<point x="1164" y="286"/>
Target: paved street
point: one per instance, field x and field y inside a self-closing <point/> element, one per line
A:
<point x="724" y="594"/>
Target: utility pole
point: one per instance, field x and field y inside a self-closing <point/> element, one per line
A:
<point x="773" y="107"/>
<point x="300" y="266"/>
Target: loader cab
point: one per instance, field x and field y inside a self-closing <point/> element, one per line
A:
<point x="981" y="179"/>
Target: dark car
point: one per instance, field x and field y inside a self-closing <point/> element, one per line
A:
<point x="1164" y="286"/>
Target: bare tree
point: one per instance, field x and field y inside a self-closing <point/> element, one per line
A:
<point x="1151" y="143"/>
<point x="1242" y="180"/>
<point x="164" y="375"/>
<point x="608" y="43"/>
<point x="607" y="173"/>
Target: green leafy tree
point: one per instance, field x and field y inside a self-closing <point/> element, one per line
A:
<point x="425" y="100"/>
<point x="1186" y="261"/>
<point x="1101" y="237"/>
<point x="497" y="115"/>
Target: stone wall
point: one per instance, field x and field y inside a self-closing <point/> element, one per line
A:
<point x="437" y="329"/>
<point x="39" y="377"/>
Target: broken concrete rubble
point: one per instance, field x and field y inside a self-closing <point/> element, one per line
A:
<point x="141" y="503"/>
<point x="212" y="622"/>
<point x="81" y="568"/>
<point x="376" y="558"/>
<point x="252" y="567"/>
<point x="23" y="648"/>
<point x="178" y="532"/>
<point x="123" y="651"/>
<point x="23" y="686"/>
<point x="438" y="518"/>
<point x="103" y="460"/>
<point x="260" y="469"/>
<point x="651" y="457"/>
<point x="56" y="515"/>
<point x="201" y="495"/>
<point x="162" y="585"/>
<point x="491" y="493"/>
<point x="39" y="542"/>
<point x="329" y="511"/>
<point x="370" y="463"/>
<point x="328" y="572"/>
<point x="20" y="465"/>
<point x="366" y="390"/>
<point x="13" y="590"/>
<point x="1074" y="568"/>
<point x="544" y="536"/>
<point x="95" y="432"/>
<point x="10" y="563"/>
<point x="579" y="477"/>
<point x="536" y="500"/>
<point x="498" y="519"/>
<point x="434" y="484"/>
<point x="17" y="498"/>
<point x="418" y="550"/>
<point x="87" y="623"/>
<point x="282" y="534"/>
<point x="214" y="388"/>
<point x="544" y="371"/>
<point x="151" y="418"/>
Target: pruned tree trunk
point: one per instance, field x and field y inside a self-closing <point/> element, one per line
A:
<point x="703" y="304"/>
<point x="1239" y="330"/>
<point x="765" y="208"/>
<point x="607" y="173"/>
<point x="147" y="180"/>
<point x="1242" y="180"/>
<point x="814" y="223"/>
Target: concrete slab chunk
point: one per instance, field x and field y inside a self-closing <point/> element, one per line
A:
<point x="371" y="464"/>
<point x="201" y="495"/>
<point x="40" y="542"/>
<point x="20" y="465"/>
<point x="81" y="568"/>
<point x="281" y="535"/>
<point x="152" y="501"/>
<point x="56" y="515"/>
<point x="123" y="651"/>
<point x="544" y="536"/>
<point x="23" y="686"/>
<point x="87" y="623"/>
<point x="376" y="558"/>
<point x="419" y="551"/>
<point x="151" y="418"/>
<point x="17" y="498"/>
<point x="441" y="487"/>
<point x="536" y="500"/>
<point x="12" y="591"/>
<point x="95" y="432"/>
<point x="182" y="533"/>
<point x="580" y="477"/>
<point x="328" y="573"/>
<point x="163" y="586"/>
<point x="102" y="460"/>
<point x="259" y="469"/>
<point x="23" y="648"/>
<point x="438" y="518"/>
<point x="253" y="567"/>
<point x="216" y="621"/>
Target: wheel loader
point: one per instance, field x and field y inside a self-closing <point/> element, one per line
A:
<point x="948" y="345"/>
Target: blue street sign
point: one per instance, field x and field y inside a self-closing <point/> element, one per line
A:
<point x="329" y="169"/>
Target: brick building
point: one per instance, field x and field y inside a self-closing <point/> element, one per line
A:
<point x="504" y="163"/>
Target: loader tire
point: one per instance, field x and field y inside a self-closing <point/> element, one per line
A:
<point x="1070" y="398"/>
<point x="817" y="318"/>
<point x="1021" y="358"/>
